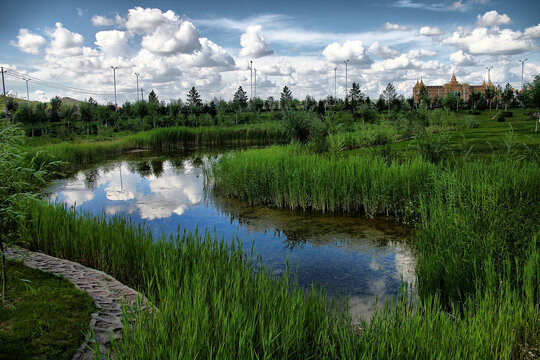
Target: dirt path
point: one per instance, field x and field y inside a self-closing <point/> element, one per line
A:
<point x="108" y="294"/>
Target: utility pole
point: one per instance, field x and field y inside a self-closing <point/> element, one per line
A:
<point x="489" y="82"/>
<point x="114" y="77"/>
<point x="489" y="74"/>
<point x="136" y="74"/>
<point x="346" y="62"/>
<point x="255" y="82"/>
<point x="522" y="67"/>
<point x="142" y="96"/>
<point x="27" y="93"/>
<point x="3" y="83"/>
<point x="251" y="80"/>
<point x="335" y="83"/>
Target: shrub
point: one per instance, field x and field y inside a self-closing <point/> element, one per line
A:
<point x="501" y="119"/>
<point x="507" y="114"/>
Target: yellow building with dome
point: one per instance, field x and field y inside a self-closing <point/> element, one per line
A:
<point x="453" y="86"/>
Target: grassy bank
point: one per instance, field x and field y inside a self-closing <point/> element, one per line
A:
<point x="35" y="326"/>
<point x="467" y="213"/>
<point x="166" y="139"/>
<point x="213" y="303"/>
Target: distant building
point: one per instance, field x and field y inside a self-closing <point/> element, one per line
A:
<point x="453" y="86"/>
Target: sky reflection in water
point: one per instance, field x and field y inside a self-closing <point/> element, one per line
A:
<point x="346" y="253"/>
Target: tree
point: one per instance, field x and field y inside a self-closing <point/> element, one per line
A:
<point x="270" y="103"/>
<point x="390" y="94"/>
<point x="423" y="95"/>
<point x="86" y="114"/>
<point x="355" y="95"/>
<point x="474" y="98"/>
<point x="56" y="103"/>
<point x="152" y="97"/>
<point x="240" y="99"/>
<point x="11" y="104"/>
<point x="285" y="97"/>
<point x="508" y="95"/>
<point x="193" y="98"/>
<point x="309" y="103"/>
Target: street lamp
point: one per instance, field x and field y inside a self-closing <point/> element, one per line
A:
<point x="335" y="83"/>
<point x="522" y="66"/>
<point x="114" y="78"/>
<point x="136" y="74"/>
<point x="251" y="80"/>
<point x="27" y="93"/>
<point x="255" y="82"/>
<point x="346" y="62"/>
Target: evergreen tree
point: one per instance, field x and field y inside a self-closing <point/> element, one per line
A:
<point x="56" y="103"/>
<point x="286" y="97"/>
<point x="240" y="99"/>
<point x="390" y="94"/>
<point x="356" y="96"/>
<point x="193" y="98"/>
<point x="508" y="95"/>
<point x="423" y="96"/>
<point x="152" y="97"/>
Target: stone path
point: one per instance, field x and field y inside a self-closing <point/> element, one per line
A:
<point x="108" y="294"/>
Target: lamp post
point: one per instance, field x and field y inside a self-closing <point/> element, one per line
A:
<point x="137" y="74"/>
<point x="251" y="80"/>
<point x="27" y="93"/>
<point x="114" y="79"/>
<point x="335" y="83"/>
<point x="255" y="82"/>
<point x="346" y="62"/>
<point x="522" y="67"/>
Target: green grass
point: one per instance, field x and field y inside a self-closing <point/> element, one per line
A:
<point x="47" y="317"/>
<point x="212" y="302"/>
<point x="165" y="139"/>
<point x="467" y="213"/>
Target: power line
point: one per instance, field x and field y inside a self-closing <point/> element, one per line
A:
<point x="57" y="86"/>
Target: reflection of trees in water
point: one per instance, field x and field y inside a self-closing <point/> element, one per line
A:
<point x="157" y="167"/>
<point x="292" y="238"/>
<point x="90" y="178"/>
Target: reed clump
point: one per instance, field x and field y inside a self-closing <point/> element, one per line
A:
<point x="163" y="139"/>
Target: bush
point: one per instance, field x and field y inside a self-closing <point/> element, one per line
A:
<point x="507" y="114"/>
<point x="475" y="112"/>
<point x="434" y="148"/>
<point x="471" y="123"/>
<point x="501" y="119"/>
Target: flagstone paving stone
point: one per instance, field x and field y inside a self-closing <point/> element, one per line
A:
<point x="108" y="294"/>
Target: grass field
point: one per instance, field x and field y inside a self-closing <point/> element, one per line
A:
<point x="34" y="325"/>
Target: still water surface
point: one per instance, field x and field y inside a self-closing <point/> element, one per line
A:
<point x="346" y="253"/>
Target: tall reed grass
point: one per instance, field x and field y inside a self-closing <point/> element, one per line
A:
<point x="466" y="213"/>
<point x="211" y="301"/>
<point x="163" y="139"/>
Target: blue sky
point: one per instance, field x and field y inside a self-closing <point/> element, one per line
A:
<point x="209" y="44"/>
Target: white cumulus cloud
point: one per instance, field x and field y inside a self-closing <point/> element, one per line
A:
<point x="253" y="43"/>
<point x="395" y="27"/>
<point x="98" y="20"/>
<point x="430" y="31"/>
<point x="384" y="52"/>
<point x="28" y="42"/>
<point x="493" y="18"/>
<point x="113" y="42"/>
<point x="350" y="50"/>
<point x="532" y="32"/>
<point x="420" y="53"/>
<point x="64" y="42"/>
<point x="494" y="42"/>
<point x="459" y="58"/>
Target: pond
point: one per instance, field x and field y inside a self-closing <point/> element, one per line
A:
<point x="346" y="253"/>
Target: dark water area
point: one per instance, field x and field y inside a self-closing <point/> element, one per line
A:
<point x="346" y="253"/>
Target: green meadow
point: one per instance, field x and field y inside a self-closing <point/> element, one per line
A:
<point x="467" y="185"/>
